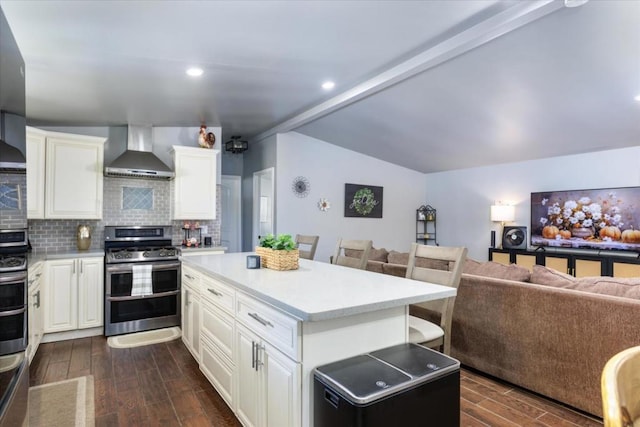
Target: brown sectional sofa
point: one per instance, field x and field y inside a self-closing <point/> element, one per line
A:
<point x="552" y="337"/>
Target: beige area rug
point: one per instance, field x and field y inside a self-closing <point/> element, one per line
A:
<point x="139" y="339"/>
<point x="65" y="403"/>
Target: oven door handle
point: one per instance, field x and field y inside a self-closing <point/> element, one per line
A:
<point x="15" y="277"/>
<point x="12" y="312"/>
<point x="130" y="298"/>
<point x="127" y="267"/>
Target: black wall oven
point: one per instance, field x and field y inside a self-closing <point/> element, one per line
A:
<point x="142" y="280"/>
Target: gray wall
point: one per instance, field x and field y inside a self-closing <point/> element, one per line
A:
<point x="259" y="156"/>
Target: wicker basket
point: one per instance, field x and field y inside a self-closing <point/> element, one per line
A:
<point x="278" y="260"/>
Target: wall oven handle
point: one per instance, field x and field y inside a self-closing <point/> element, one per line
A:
<point x="213" y="291"/>
<point x="12" y="312"/>
<point x="130" y="298"/>
<point x="257" y="318"/>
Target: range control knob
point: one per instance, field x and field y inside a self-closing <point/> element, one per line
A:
<point x="162" y="252"/>
<point x="145" y="254"/>
<point x="129" y="255"/>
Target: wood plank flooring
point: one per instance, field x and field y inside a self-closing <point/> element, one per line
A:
<point x="161" y="385"/>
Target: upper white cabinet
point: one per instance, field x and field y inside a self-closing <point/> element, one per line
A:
<point x="194" y="195"/>
<point x="70" y="183"/>
<point x="36" y="140"/>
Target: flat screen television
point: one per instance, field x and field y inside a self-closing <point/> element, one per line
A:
<point x="605" y="218"/>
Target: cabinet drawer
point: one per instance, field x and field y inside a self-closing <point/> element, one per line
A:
<point x="280" y="330"/>
<point x="218" y="293"/>
<point x="218" y="370"/>
<point x="217" y="326"/>
<point x="191" y="278"/>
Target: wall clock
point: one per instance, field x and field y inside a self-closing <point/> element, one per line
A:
<point x="301" y="186"/>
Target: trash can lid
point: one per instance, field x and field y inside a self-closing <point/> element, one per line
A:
<point x="416" y="360"/>
<point x="362" y="379"/>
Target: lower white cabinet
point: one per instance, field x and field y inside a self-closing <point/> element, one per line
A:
<point x="268" y="383"/>
<point x="190" y="310"/>
<point x="35" y="310"/>
<point x="73" y="294"/>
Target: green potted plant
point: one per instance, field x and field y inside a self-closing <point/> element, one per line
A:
<point x="278" y="253"/>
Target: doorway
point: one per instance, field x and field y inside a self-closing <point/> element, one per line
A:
<point x="263" y="204"/>
<point x="231" y="215"/>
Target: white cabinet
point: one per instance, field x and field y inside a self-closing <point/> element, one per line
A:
<point x="268" y="383"/>
<point x="36" y="324"/>
<point x="194" y="187"/>
<point x="72" y="294"/>
<point x="191" y="311"/>
<point x="36" y="140"/>
<point x="65" y="175"/>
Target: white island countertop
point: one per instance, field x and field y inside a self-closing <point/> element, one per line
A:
<point x="318" y="291"/>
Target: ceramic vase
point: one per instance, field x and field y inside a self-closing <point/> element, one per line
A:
<point x="83" y="237"/>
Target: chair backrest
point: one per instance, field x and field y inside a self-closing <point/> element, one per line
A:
<point x="310" y="245"/>
<point x="621" y="389"/>
<point x="339" y="257"/>
<point x="442" y="266"/>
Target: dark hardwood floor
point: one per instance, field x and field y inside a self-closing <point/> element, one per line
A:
<point x="161" y="385"/>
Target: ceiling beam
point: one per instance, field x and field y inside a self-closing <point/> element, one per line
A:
<point x="516" y="16"/>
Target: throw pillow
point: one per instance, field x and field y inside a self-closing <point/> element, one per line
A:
<point x="378" y="255"/>
<point x="542" y="275"/>
<point x="497" y="270"/>
<point x="398" y="257"/>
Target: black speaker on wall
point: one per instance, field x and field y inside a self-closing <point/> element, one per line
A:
<point x="514" y="237"/>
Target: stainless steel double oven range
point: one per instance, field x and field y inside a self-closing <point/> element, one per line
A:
<point x="133" y="255"/>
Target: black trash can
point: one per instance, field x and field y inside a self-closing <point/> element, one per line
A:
<point x="403" y="385"/>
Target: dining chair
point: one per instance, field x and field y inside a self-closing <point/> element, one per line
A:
<point x="620" y="387"/>
<point x="442" y="266"/>
<point x="339" y="257"/>
<point x="310" y="245"/>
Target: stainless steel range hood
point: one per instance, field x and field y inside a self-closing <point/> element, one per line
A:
<point x="11" y="159"/>
<point x="139" y="161"/>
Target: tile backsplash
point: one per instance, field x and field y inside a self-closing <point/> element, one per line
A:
<point x="56" y="235"/>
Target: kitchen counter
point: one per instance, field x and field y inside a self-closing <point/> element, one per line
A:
<point x="318" y="291"/>
<point x="202" y="250"/>
<point x="64" y="254"/>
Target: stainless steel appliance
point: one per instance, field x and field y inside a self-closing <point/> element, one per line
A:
<point x="13" y="291"/>
<point x="14" y="389"/>
<point x="138" y="255"/>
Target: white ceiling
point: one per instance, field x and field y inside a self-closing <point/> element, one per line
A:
<point x="474" y="83"/>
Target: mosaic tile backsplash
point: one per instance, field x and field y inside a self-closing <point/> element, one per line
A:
<point x="59" y="235"/>
<point x="13" y="198"/>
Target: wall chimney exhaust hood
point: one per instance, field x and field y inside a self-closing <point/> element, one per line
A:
<point x="138" y="161"/>
<point x="11" y="159"/>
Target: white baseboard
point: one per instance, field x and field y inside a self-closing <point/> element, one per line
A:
<point x="70" y="335"/>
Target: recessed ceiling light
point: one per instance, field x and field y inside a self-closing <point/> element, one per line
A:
<point x="328" y="85"/>
<point x="637" y="97"/>
<point x="194" y="71"/>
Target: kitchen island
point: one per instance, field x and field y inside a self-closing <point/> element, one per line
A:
<point x="262" y="332"/>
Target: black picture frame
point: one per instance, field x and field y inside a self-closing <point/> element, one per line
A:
<point x="362" y="201"/>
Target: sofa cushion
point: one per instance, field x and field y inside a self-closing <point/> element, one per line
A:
<point x="616" y="286"/>
<point x="375" y="266"/>
<point x="435" y="264"/>
<point x="549" y="277"/>
<point x="374" y="254"/>
<point x="398" y="257"/>
<point x="496" y="270"/>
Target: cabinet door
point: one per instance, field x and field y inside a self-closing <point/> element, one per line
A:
<point x="90" y="292"/>
<point x="35" y="173"/>
<point x="218" y="369"/>
<point x="249" y="392"/>
<point x="74" y="177"/>
<point x="625" y="269"/>
<point x="35" y="320"/>
<point x="282" y="377"/>
<point x="195" y="183"/>
<point x="191" y="320"/>
<point x="587" y="267"/>
<point x="60" y="295"/>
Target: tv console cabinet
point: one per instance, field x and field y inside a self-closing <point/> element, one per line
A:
<point x="575" y="263"/>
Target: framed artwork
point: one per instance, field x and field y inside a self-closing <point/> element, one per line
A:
<point x="362" y="201"/>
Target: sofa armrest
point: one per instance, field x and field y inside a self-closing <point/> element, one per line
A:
<point x="550" y="340"/>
